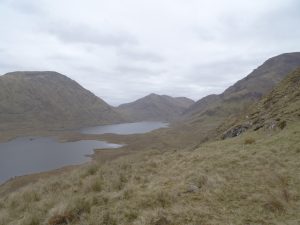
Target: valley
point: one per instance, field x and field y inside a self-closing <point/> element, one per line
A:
<point x="150" y="112"/>
<point x="230" y="158"/>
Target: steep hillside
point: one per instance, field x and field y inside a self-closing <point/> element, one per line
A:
<point x="202" y="119"/>
<point x="278" y="109"/>
<point x="35" y="100"/>
<point x="246" y="91"/>
<point x="156" y="108"/>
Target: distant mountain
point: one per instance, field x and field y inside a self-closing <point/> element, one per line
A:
<point x="35" y="100"/>
<point x="155" y="108"/>
<point x="246" y="91"/>
<point x="278" y="109"/>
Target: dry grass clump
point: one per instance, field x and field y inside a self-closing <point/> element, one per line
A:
<point x="4" y="217"/>
<point x="282" y="124"/>
<point x="274" y="205"/>
<point x="157" y="199"/>
<point x="91" y="169"/>
<point x="68" y="213"/>
<point x="61" y="219"/>
<point x="31" y="196"/>
<point x="162" y="220"/>
<point x="93" y="184"/>
<point x="199" y="180"/>
<point x="249" y="141"/>
<point x="217" y="183"/>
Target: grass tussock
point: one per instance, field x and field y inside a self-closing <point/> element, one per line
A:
<point x="282" y="124"/>
<point x="217" y="183"/>
<point x="249" y="141"/>
<point x="70" y="212"/>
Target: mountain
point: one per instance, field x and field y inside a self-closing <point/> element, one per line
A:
<point x="155" y="107"/>
<point x="47" y="99"/>
<point x="243" y="93"/>
<point x="255" y="174"/>
<point x="278" y="109"/>
<point x="204" y="120"/>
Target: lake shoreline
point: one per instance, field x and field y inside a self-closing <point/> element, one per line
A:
<point x="102" y="155"/>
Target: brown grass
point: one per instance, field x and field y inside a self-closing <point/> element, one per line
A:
<point x="282" y="124"/>
<point x="249" y="141"/>
<point x="235" y="184"/>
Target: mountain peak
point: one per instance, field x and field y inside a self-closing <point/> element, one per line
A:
<point x="36" y="99"/>
<point x="156" y="108"/>
<point x="153" y="95"/>
<point x="210" y="112"/>
<point x="32" y="73"/>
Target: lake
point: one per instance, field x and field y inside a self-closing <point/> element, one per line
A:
<point x="125" y="128"/>
<point x="28" y="155"/>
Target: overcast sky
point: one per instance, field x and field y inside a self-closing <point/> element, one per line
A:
<point x="124" y="50"/>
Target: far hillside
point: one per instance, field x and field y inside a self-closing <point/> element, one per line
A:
<point x="155" y="107"/>
<point x="200" y="121"/>
<point x="246" y="91"/>
<point x="41" y="100"/>
<point x="277" y="110"/>
<point x="203" y="117"/>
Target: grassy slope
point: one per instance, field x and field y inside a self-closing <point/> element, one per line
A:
<point x="223" y="182"/>
<point x="280" y="107"/>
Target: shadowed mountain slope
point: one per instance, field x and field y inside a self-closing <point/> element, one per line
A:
<point x="44" y="100"/>
<point x="276" y="110"/>
<point x="156" y="108"/>
<point x="246" y="91"/>
<point x="202" y="119"/>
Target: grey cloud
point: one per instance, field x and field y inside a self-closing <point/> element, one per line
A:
<point x="26" y="6"/>
<point x="204" y="34"/>
<point x="61" y="57"/>
<point x="281" y="23"/>
<point x="6" y="64"/>
<point x="84" y="34"/>
<point x="221" y="73"/>
<point x="139" y="55"/>
<point x="275" y="25"/>
<point x="122" y="69"/>
<point x="132" y="54"/>
<point x="7" y="67"/>
<point x="89" y="69"/>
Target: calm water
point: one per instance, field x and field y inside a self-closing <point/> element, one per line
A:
<point x="26" y="155"/>
<point x="125" y="128"/>
<point x="31" y="155"/>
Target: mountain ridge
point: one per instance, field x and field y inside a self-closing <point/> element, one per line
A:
<point x="155" y="107"/>
<point x="47" y="99"/>
<point x="244" y="92"/>
<point x="274" y="111"/>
